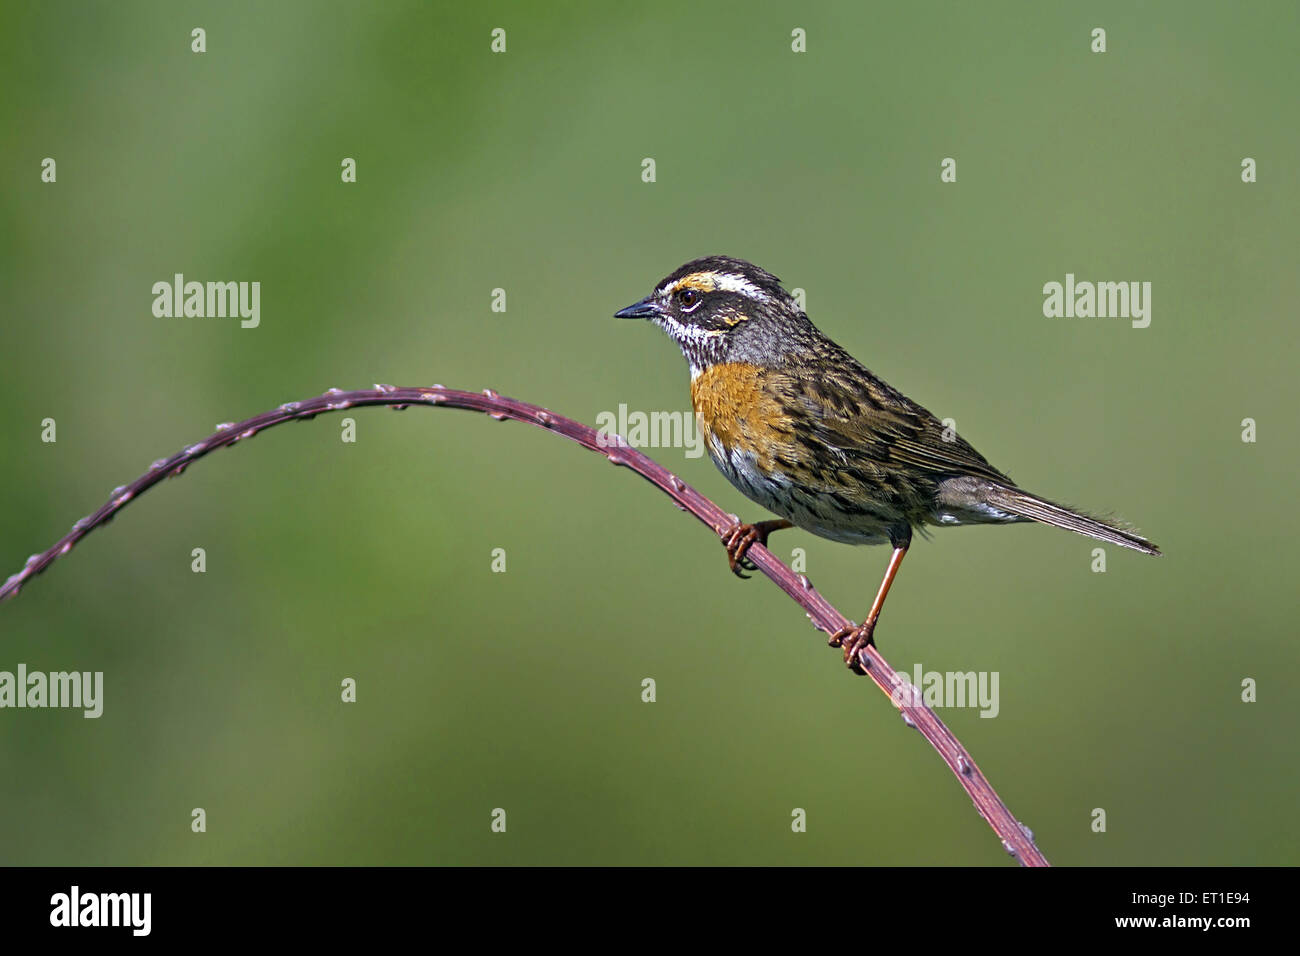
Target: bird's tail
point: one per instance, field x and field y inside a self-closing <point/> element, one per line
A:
<point x="1025" y="505"/>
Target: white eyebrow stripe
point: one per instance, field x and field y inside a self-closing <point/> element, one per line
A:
<point x="722" y="282"/>
<point x="730" y="282"/>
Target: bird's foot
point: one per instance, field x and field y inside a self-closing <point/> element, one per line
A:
<point x="739" y="538"/>
<point x="854" y="639"/>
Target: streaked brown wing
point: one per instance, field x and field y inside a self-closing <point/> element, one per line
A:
<point x="851" y="410"/>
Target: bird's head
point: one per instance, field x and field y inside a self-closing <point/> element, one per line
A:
<point x="720" y="309"/>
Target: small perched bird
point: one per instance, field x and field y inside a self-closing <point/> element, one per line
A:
<point x="804" y="429"/>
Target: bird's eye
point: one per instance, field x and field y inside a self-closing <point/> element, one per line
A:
<point x="688" y="299"/>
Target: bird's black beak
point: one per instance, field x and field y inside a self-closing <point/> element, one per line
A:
<point x="647" y="308"/>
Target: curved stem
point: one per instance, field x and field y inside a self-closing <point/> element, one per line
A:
<point x="1016" y="838"/>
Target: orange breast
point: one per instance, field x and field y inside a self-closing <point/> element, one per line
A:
<point x="733" y="407"/>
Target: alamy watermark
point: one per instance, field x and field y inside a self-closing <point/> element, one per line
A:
<point x="949" y="689"/>
<point x="650" y="430"/>
<point x="1102" y="300"/>
<point x="76" y="908"/>
<point x="208" y="300"/>
<point x="82" y="690"/>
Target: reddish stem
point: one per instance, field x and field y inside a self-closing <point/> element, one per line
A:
<point x="1016" y="838"/>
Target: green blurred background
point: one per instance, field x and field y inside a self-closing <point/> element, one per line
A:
<point x="522" y="171"/>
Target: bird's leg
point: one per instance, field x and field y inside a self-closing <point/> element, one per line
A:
<point x="853" y="639"/>
<point x="740" y="537"/>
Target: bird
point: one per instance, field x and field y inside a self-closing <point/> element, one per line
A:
<point x="802" y="428"/>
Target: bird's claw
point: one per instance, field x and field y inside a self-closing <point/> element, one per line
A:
<point x="853" y="640"/>
<point x="737" y="540"/>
